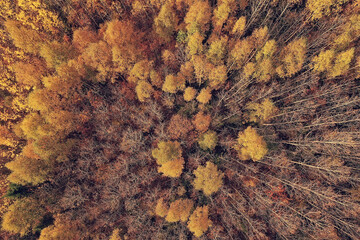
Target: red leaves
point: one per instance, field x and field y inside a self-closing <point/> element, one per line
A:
<point x="278" y="193"/>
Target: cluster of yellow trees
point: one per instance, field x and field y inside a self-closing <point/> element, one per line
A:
<point x="208" y="179"/>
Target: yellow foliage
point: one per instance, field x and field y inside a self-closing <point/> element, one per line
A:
<point x="267" y="50"/>
<point x="259" y="36"/>
<point x="23" y="216"/>
<point x="261" y="112"/>
<point x="179" y="210"/>
<point x="31" y="125"/>
<point x="36" y="14"/>
<point x="28" y="170"/>
<point x="208" y="140"/>
<point x="249" y="69"/>
<point x="7" y="138"/>
<point x="29" y="74"/>
<point x="28" y="151"/>
<point x="161" y="208"/>
<point x="217" y="51"/>
<point x="61" y="230"/>
<point x="218" y="76"/>
<point x="323" y="62"/>
<point x="195" y="45"/>
<point x="68" y="78"/>
<point x="293" y="57"/>
<point x="156" y="79"/>
<point x="251" y="145"/>
<point x="143" y="90"/>
<point x="172" y="84"/>
<point x="114" y="236"/>
<point x="199" y="221"/>
<point x="42" y="100"/>
<point x="82" y="37"/>
<point x="204" y="95"/>
<point x="56" y="53"/>
<point x="51" y="148"/>
<point x="208" y="179"/>
<point x="264" y="69"/>
<point x="62" y="122"/>
<point x="241" y="51"/>
<point x="26" y="39"/>
<point x="320" y="8"/>
<point x="221" y="13"/>
<point x="342" y="63"/>
<point x="172" y="168"/>
<point x="239" y="26"/>
<point x="187" y="70"/>
<point x="165" y="22"/>
<point x="198" y="17"/>
<point x="99" y="56"/>
<point x="166" y="151"/>
<point x="201" y="68"/>
<point x="189" y="94"/>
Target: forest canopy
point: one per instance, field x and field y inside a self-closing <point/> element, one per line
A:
<point x="180" y="119"/>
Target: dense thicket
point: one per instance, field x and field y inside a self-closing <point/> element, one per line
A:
<point x="180" y="119"/>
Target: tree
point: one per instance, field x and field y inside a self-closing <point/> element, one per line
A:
<point x="189" y="94"/>
<point x="208" y="140"/>
<point x="98" y="56"/>
<point x="208" y="179"/>
<point x="264" y="62"/>
<point x="293" y="58"/>
<point x="179" y="210"/>
<point x="323" y="62"/>
<point x="23" y="216"/>
<point x="251" y="145"/>
<point x="161" y="208"/>
<point x="202" y="121"/>
<point x="199" y="221"/>
<point x="179" y="126"/>
<point x="140" y="71"/>
<point x="156" y="79"/>
<point x="342" y="63"/>
<point x="63" y="229"/>
<point x="168" y="156"/>
<point x="26" y="39"/>
<point x="198" y="17"/>
<point x="217" y="51"/>
<point x="241" y="52"/>
<point x="320" y="8"/>
<point x="332" y="63"/>
<point x="239" y="26"/>
<point x="83" y="37"/>
<point x="165" y="22"/>
<point x="56" y="53"/>
<point x="218" y="76"/>
<point x="221" y="13"/>
<point x="202" y="68"/>
<point x="173" y="84"/>
<point x="204" y="96"/>
<point x="195" y="45"/>
<point x="172" y="168"/>
<point x="187" y="70"/>
<point x="144" y="90"/>
<point x="32" y="126"/>
<point x="28" y="170"/>
<point x="115" y="235"/>
<point x="261" y="112"/>
<point x="30" y="74"/>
